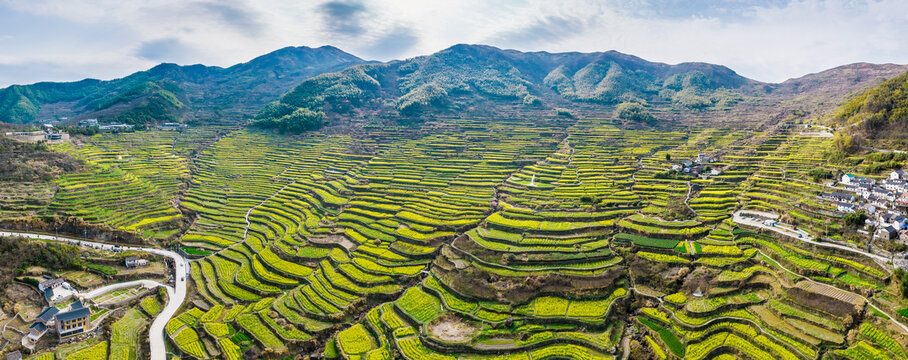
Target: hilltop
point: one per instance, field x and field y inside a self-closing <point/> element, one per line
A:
<point x="879" y="115"/>
<point x="483" y="79"/>
<point x="300" y="88"/>
<point x="171" y="92"/>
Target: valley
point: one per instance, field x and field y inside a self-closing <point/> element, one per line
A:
<point x="581" y="206"/>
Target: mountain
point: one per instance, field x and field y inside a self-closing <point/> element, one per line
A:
<point x="463" y="76"/>
<point x="170" y="92"/>
<point x="879" y="115"/>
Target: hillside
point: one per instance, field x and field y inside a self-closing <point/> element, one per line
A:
<point x="170" y="92"/>
<point x="879" y="115"/>
<point x="459" y="78"/>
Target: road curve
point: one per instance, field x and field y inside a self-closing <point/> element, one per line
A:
<point x="175" y="295"/>
<point x="737" y="218"/>
<point x="123" y="285"/>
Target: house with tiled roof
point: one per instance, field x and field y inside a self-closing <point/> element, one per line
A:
<point x="74" y="321"/>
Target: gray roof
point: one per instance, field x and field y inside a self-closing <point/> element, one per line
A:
<point x="15" y="355"/>
<point x="52" y="282"/>
<point x="39" y="327"/>
<point x="47" y="314"/>
<point x="73" y="314"/>
<point x="76" y="305"/>
<point x="48" y="293"/>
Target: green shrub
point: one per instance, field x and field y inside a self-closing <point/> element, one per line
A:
<point x="634" y="112"/>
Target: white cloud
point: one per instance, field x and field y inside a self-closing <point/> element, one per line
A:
<point x="72" y="39"/>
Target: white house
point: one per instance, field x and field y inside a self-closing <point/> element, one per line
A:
<point x="896" y="220"/>
<point x="847" y="178"/>
<point x="895" y="185"/>
<point x="846" y="207"/>
<point x="898" y="175"/>
<point x="50" y="284"/>
<point x="883" y="193"/>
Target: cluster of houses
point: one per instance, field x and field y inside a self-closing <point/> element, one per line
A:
<point x="74" y="320"/>
<point x="167" y="126"/>
<point x="697" y="166"/>
<point x="109" y="127"/>
<point x="882" y="201"/>
<point x="48" y="132"/>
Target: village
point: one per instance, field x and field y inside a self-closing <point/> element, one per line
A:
<point x="882" y="202"/>
<point x="53" y="132"/>
<point x="75" y="304"/>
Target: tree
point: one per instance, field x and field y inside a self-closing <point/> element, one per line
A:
<point x="634" y="112"/>
<point x="902" y="277"/>
<point x="855" y="219"/>
<point x="280" y="116"/>
<point x="843" y="142"/>
<point x="668" y="157"/>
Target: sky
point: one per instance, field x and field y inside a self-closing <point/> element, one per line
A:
<point x="766" y="40"/>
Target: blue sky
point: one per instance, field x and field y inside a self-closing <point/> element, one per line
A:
<point x="771" y="40"/>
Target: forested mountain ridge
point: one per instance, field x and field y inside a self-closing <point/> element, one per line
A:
<point x="462" y="75"/>
<point x="879" y="114"/>
<point x="172" y="92"/>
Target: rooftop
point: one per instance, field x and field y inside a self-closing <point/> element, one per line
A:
<point x="73" y="314"/>
<point x="47" y="314"/>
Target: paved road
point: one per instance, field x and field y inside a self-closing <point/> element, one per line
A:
<point x="805" y="238"/>
<point x="123" y="285"/>
<point x="176" y="295"/>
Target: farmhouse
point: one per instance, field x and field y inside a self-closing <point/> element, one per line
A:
<point x="878" y="202"/>
<point x="895" y="185"/>
<point x="116" y="127"/>
<point x="42" y="323"/>
<point x="72" y="322"/>
<point x="50" y="284"/>
<point x="15" y="355"/>
<point x="846" y="207"/>
<point x="847" y="179"/>
<point x="896" y="220"/>
<point x="898" y="175"/>
<point x="887" y="232"/>
<point x="838" y="197"/>
<point x="171" y="126"/>
<point x="134" y="262"/>
<point x="88" y="123"/>
<point x="883" y="193"/>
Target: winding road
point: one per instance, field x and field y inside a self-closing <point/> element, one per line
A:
<point x="741" y="220"/>
<point x="123" y="285"/>
<point x="805" y="237"/>
<point x="176" y="294"/>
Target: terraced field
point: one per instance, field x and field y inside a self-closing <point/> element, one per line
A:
<point x="493" y="240"/>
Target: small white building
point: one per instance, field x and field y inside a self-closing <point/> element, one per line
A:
<point x="898" y="175"/>
<point x="50" y="284"/>
<point x="846" y="207"/>
<point x="134" y="262"/>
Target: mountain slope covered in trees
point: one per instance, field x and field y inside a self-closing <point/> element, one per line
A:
<point x="170" y="92"/>
<point x="879" y="115"/>
<point x="463" y="76"/>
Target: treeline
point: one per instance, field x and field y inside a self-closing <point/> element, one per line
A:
<point x="288" y="119"/>
<point x="879" y="114"/>
<point x="29" y="162"/>
<point x="17" y="254"/>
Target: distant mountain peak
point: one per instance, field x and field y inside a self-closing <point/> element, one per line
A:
<point x="208" y="92"/>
